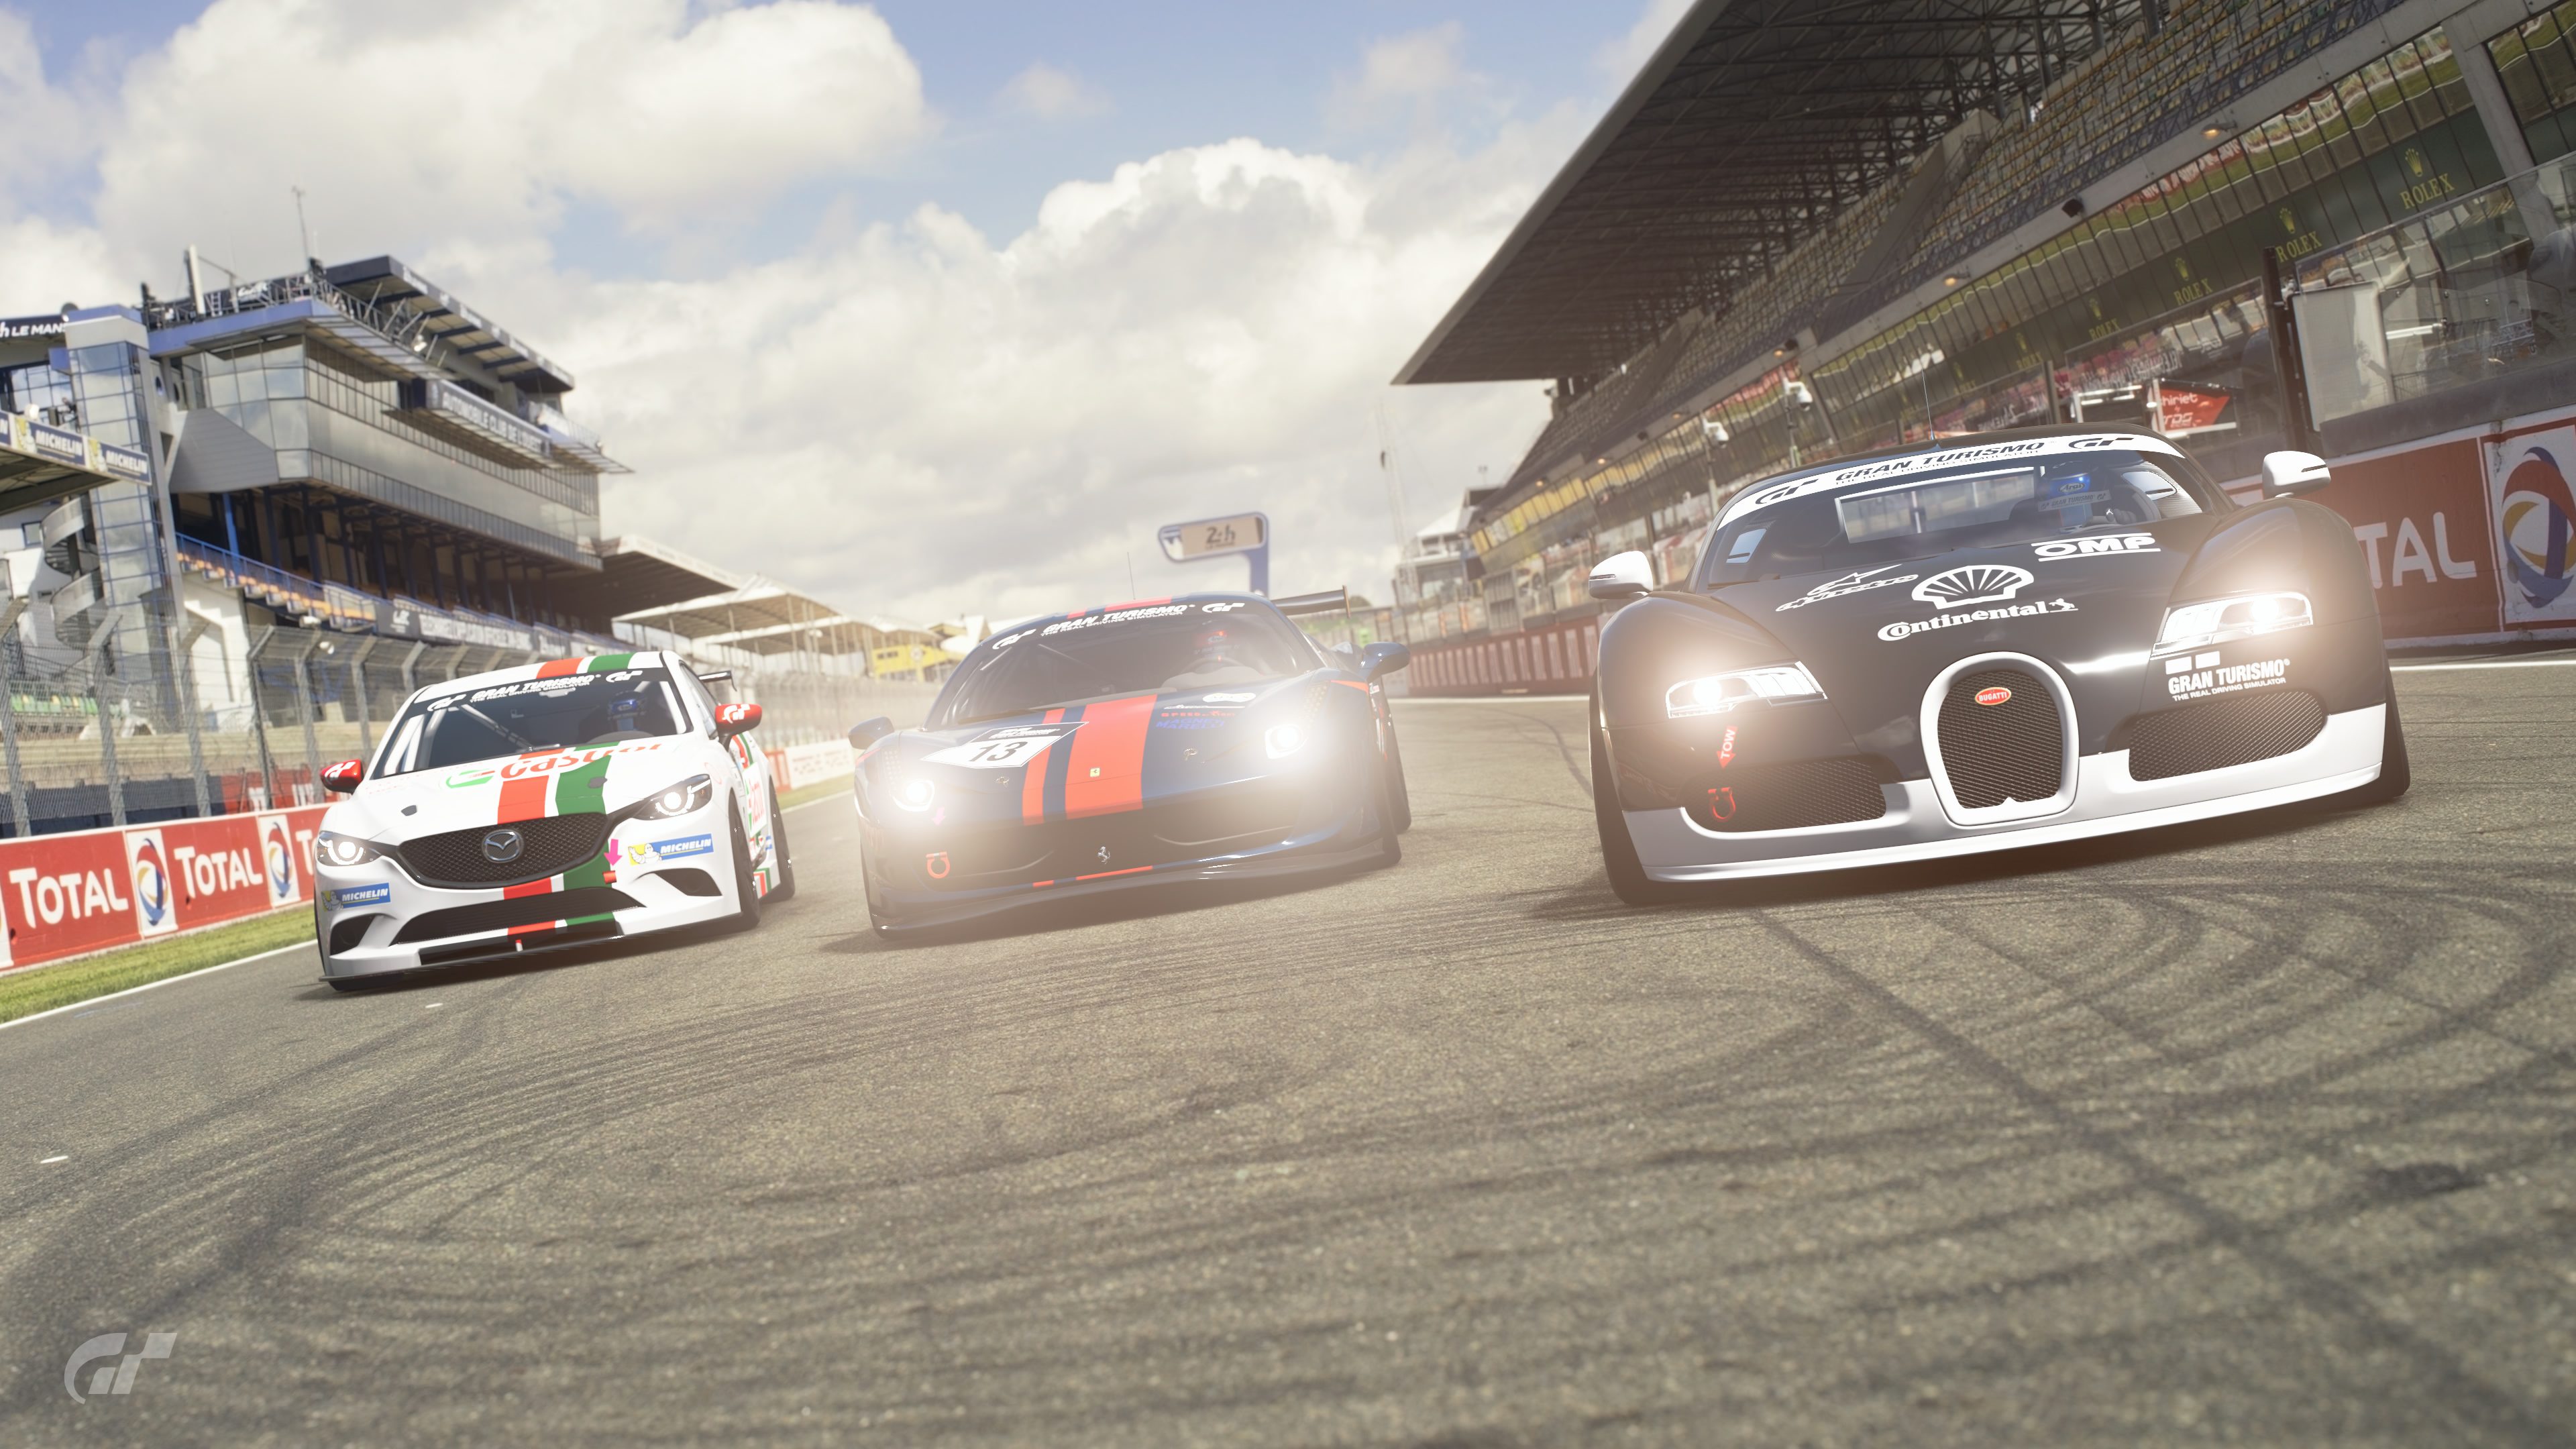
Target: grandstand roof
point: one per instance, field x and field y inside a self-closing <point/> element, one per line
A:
<point x="766" y="618"/>
<point x="1752" y="127"/>
<point x="638" y="573"/>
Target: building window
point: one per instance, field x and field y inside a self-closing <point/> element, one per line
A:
<point x="2536" y="60"/>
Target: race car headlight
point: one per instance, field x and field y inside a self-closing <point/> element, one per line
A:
<point x="915" y="793"/>
<point x="332" y="848"/>
<point x="2198" y="626"/>
<point x="690" y="794"/>
<point x="1718" y="693"/>
<point x="1284" y="740"/>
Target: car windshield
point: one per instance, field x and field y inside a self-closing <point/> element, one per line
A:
<point x="1819" y="525"/>
<point x="1160" y="648"/>
<point x="532" y="715"/>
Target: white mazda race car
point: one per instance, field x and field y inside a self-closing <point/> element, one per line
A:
<point x="550" y="805"/>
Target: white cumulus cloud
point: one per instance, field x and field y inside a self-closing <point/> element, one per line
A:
<point x="1053" y="94"/>
<point x="1619" y="60"/>
<point x="906" y="417"/>
<point x="480" y="120"/>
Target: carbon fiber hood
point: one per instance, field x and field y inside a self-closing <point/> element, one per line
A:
<point x="1875" y="638"/>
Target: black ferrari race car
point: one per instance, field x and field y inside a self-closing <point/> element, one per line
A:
<point x="1195" y="738"/>
<point x="2005" y="640"/>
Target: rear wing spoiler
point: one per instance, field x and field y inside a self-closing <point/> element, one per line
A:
<point x="1331" y="601"/>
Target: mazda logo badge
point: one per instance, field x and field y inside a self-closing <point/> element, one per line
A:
<point x="503" y="846"/>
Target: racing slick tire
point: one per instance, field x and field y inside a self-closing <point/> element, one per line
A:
<point x="2394" y="773"/>
<point x="1390" y="813"/>
<point x="786" y="859"/>
<point x="880" y="919"/>
<point x="1628" y="878"/>
<point x="1403" y="795"/>
<point x="746" y="884"/>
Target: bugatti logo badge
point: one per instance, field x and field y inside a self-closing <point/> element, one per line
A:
<point x="2537" y="520"/>
<point x="1972" y="584"/>
<point x="503" y="846"/>
<point x="935" y="865"/>
<point x="1995" y="695"/>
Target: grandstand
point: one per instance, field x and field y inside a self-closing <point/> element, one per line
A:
<point x="241" y="525"/>
<point x="1808" y="231"/>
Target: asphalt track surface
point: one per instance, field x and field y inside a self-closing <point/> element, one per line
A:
<point x="2258" y="1131"/>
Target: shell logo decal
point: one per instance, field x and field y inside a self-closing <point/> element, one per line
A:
<point x="1972" y="584"/>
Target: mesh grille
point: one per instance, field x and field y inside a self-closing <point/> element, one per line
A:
<point x="2223" y="732"/>
<point x="548" y="847"/>
<point x="523" y="911"/>
<point x="1794" y="796"/>
<point x="1159" y="834"/>
<point x="2011" y="751"/>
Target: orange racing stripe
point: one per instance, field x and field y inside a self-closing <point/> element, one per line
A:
<point x="1033" y="779"/>
<point x="1107" y="771"/>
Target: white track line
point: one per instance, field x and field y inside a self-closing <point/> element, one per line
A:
<point x="87" y="1003"/>
<point x="2486" y="664"/>
<point x="1493" y="699"/>
<point x="149" y="985"/>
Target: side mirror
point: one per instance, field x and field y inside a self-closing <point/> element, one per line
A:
<point x="1379" y="660"/>
<point x="736" y="719"/>
<point x="1621" y="577"/>
<point x="2288" y="473"/>
<point x="342" y="778"/>
<point x="868" y="731"/>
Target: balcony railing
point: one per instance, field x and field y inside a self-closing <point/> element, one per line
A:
<point x="2476" y="298"/>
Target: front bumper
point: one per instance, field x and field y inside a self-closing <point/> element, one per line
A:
<point x="1350" y="836"/>
<point x="391" y="900"/>
<point x="2343" y="756"/>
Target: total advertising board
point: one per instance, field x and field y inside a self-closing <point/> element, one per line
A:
<point x="2468" y="539"/>
<point x="66" y="895"/>
<point x="798" y="766"/>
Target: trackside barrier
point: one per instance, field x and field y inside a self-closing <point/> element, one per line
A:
<point x="1553" y="659"/>
<point x="69" y="895"/>
<point x="798" y="766"/>
<point x="2465" y="536"/>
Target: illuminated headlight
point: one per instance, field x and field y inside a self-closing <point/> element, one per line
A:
<point x="690" y="794"/>
<point x="914" y="793"/>
<point x="332" y="848"/>
<point x="2198" y="626"/>
<point x="1284" y="740"/>
<point x="1718" y="693"/>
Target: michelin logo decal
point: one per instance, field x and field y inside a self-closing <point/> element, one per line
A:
<point x="666" y="850"/>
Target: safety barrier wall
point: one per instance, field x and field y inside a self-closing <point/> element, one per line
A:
<point x="2470" y="539"/>
<point x="798" y="766"/>
<point x="1553" y="659"/>
<point x="71" y="894"/>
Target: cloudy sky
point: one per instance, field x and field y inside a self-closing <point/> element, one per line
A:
<point x="931" y="307"/>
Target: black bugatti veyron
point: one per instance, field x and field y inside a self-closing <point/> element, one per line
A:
<point x="1990" y="642"/>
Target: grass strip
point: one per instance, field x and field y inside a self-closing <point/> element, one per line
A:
<point x="31" y="989"/>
